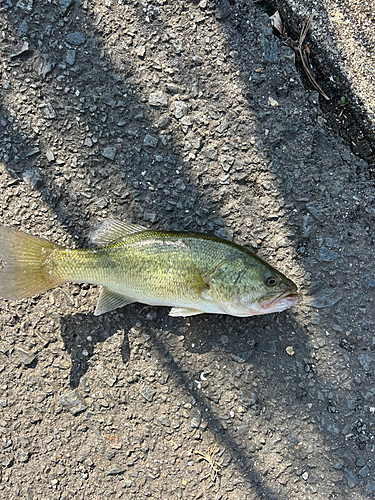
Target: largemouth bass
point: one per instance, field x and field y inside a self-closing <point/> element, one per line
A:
<point x="192" y="272"/>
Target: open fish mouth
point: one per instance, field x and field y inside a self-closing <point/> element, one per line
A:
<point x="282" y="301"/>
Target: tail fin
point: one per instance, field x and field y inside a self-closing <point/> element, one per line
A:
<point x="29" y="265"/>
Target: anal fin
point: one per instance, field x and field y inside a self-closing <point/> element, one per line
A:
<point x="108" y="301"/>
<point x="184" y="312"/>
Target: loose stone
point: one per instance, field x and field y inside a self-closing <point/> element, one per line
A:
<point x="109" y="153"/>
<point x="180" y="109"/>
<point x="49" y="155"/>
<point x="351" y="478"/>
<point x="26" y="357"/>
<point x="76" y="38"/>
<point x="73" y="402"/>
<point x="105" y="373"/>
<point x="364" y="472"/>
<point x="369" y="282"/>
<point x="114" y="471"/>
<point x="365" y="361"/>
<point x="164" y="420"/>
<point x="326" y="255"/>
<point x="158" y="99"/>
<point x="22" y="456"/>
<point x="325" y="299"/>
<point x="71" y="56"/>
<point x="147" y="392"/>
<point x="150" y="141"/>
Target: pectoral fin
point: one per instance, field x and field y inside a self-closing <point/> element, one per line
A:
<point x="108" y="301"/>
<point x="184" y="312"/>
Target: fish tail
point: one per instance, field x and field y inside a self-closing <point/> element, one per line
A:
<point x="29" y="264"/>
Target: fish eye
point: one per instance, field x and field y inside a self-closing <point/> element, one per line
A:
<point x="271" y="280"/>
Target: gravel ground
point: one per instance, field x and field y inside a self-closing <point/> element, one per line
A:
<point x="342" y="50"/>
<point x="182" y="115"/>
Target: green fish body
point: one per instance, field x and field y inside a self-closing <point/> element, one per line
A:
<point x="192" y="272"/>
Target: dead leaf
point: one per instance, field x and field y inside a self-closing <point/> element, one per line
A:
<point x="277" y="24"/>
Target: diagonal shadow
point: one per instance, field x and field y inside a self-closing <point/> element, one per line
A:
<point x="223" y="436"/>
<point x="202" y="336"/>
<point x="203" y="198"/>
<point x="98" y="329"/>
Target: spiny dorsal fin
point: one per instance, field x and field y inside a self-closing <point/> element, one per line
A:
<point x="111" y="230"/>
<point x="108" y="301"/>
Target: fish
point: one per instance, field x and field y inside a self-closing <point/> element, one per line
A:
<point x="191" y="272"/>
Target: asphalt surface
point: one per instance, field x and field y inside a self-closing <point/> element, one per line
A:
<point x="341" y="45"/>
<point x="182" y="115"/>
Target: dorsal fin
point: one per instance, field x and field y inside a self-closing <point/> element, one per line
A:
<point x="111" y="230"/>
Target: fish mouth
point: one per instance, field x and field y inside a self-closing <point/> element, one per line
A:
<point x="286" y="299"/>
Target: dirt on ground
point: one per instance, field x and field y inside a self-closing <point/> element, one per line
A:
<point x="192" y="116"/>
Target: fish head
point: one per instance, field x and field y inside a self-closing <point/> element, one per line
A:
<point x="250" y="286"/>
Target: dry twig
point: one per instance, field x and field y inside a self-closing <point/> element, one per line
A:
<point x="210" y="458"/>
<point x="302" y="54"/>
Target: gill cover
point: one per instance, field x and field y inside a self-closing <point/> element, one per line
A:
<point x="223" y="284"/>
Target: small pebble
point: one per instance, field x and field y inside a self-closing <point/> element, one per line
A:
<point x="158" y="99"/>
<point x="272" y="102"/>
<point x="150" y="141"/>
<point x="70" y="56"/>
<point x="22" y="456"/>
<point x="196" y="420"/>
<point x="223" y="126"/>
<point x="351" y="478"/>
<point x="106" y="374"/>
<point x="364" y="472"/>
<point x="164" y="420"/>
<point x="109" y="153"/>
<point x="73" y="402"/>
<point x="147" y="392"/>
<point x="326" y="255"/>
<point x="102" y="203"/>
<point x="369" y="282"/>
<point x="141" y="51"/>
<point x="180" y="109"/>
<point x="114" y="471"/>
<point x="50" y="156"/>
<point x="26" y="357"/>
<point x="365" y="360"/>
<point x="226" y="162"/>
<point x="76" y="38"/>
<point x="83" y="453"/>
